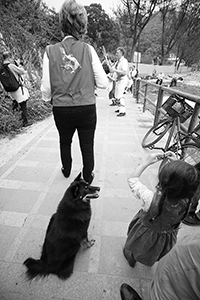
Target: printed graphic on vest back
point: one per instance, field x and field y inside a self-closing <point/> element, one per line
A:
<point x="69" y="61"/>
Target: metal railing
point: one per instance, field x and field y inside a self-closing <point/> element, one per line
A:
<point x="142" y="96"/>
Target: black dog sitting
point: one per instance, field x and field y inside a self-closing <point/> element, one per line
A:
<point x="66" y="232"/>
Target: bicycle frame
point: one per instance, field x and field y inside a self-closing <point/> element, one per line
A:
<point x="180" y="138"/>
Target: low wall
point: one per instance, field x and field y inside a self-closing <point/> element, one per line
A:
<point x="145" y="69"/>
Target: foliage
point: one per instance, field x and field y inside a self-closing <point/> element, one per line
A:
<point x="189" y="43"/>
<point x="11" y="122"/>
<point x="174" y="29"/>
<point x="102" y="30"/>
<point x="26" y="27"/>
<point x="133" y="16"/>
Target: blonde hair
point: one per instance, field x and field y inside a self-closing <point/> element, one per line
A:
<point x="73" y="18"/>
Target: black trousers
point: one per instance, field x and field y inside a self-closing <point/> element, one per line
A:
<point x="24" y="111"/>
<point x="68" y="120"/>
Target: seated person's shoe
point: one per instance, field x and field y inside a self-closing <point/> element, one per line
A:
<point x="128" y="293"/>
<point x="192" y="220"/>
<point x="129" y="256"/>
<point x="65" y="173"/>
<point x="121" y="114"/>
<point x="26" y="124"/>
<point x="117" y="111"/>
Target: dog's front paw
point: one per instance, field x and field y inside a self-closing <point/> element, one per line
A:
<point x="87" y="244"/>
<point x="91" y="243"/>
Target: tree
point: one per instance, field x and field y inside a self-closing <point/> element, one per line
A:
<point x="102" y="30"/>
<point x="179" y="26"/>
<point x="150" y="38"/>
<point x="167" y="8"/>
<point x="188" y="45"/>
<point x="27" y="26"/>
<point x="133" y="16"/>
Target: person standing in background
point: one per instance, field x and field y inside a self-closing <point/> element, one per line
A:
<point x="71" y="72"/>
<point x="121" y="69"/>
<point x="21" y="95"/>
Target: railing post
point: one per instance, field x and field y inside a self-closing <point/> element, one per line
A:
<point x="137" y="90"/>
<point x="145" y="97"/>
<point x="193" y="120"/>
<point x="158" y="105"/>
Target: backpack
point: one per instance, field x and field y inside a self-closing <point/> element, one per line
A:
<point x="8" y="79"/>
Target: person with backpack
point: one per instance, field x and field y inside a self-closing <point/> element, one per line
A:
<point x="153" y="231"/>
<point x="12" y="81"/>
<point x="71" y="73"/>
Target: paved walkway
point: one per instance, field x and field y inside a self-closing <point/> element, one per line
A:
<point x="31" y="186"/>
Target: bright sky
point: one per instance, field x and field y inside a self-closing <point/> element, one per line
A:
<point x="107" y="5"/>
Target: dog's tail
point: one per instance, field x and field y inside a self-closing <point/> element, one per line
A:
<point x="36" y="267"/>
<point x="40" y="268"/>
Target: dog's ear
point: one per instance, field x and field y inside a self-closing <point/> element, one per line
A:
<point x="78" y="178"/>
<point x="74" y="189"/>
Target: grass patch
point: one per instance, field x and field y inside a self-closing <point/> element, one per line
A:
<point x="11" y="123"/>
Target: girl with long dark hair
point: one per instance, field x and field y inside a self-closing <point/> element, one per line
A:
<point x="153" y="231"/>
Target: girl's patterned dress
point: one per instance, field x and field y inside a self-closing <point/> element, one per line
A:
<point x="150" y="237"/>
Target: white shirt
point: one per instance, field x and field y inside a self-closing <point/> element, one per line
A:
<point x="141" y="192"/>
<point x="122" y="65"/>
<point x="100" y="76"/>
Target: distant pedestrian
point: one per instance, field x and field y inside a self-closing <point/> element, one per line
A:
<point x="160" y="78"/>
<point x="21" y="95"/>
<point x="153" y="231"/>
<point x="111" y="80"/>
<point x="121" y="69"/>
<point x="71" y="73"/>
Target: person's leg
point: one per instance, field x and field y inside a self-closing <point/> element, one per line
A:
<point x="86" y="131"/>
<point x="128" y="293"/>
<point x="14" y="105"/>
<point x="130" y="258"/>
<point x="24" y="112"/>
<point x="66" y="129"/>
<point x="112" y="95"/>
<point x="121" y="85"/>
<point x="122" y="109"/>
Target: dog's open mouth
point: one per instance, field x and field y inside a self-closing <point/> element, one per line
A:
<point x="87" y="197"/>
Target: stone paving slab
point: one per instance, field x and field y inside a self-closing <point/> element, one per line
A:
<point x="31" y="186"/>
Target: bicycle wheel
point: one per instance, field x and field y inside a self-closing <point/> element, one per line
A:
<point x="156" y="133"/>
<point x="190" y="153"/>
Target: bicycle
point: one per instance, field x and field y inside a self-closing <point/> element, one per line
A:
<point x="186" y="146"/>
